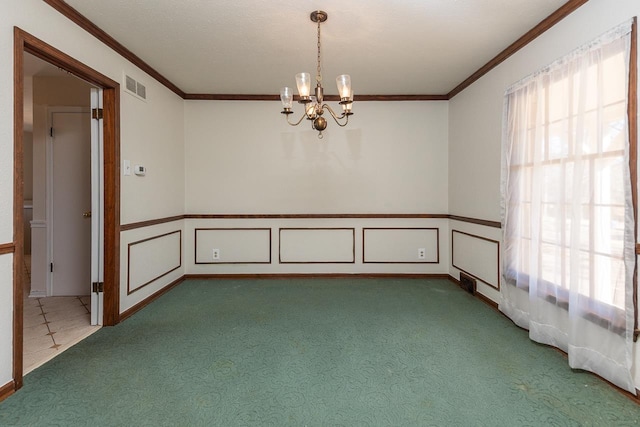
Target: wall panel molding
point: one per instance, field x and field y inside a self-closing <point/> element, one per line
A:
<point x="7" y="248"/>
<point x="493" y="282"/>
<point x="148" y="223"/>
<point x="136" y="287"/>
<point x="141" y="224"/>
<point x="487" y="223"/>
<point x="322" y="254"/>
<point x="234" y="245"/>
<point x="397" y="243"/>
<point x="142" y="304"/>
<point x="316" y="216"/>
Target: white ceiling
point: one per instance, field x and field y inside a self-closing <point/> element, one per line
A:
<point x="34" y="66"/>
<point x="255" y="47"/>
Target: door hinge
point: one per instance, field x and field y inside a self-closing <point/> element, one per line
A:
<point x="51" y="267"/>
<point x="97" y="287"/>
<point x="97" y="113"/>
<point x="51" y="132"/>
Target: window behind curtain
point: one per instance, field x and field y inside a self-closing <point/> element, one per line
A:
<point x="568" y="182"/>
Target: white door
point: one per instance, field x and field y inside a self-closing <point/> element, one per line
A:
<point x="97" y="208"/>
<point x="70" y="202"/>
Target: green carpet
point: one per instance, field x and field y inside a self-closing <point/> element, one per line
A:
<point x="315" y="352"/>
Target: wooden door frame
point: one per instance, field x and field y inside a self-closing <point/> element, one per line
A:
<point x="25" y="42"/>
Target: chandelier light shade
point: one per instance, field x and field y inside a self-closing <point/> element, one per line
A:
<point x="303" y="80"/>
<point x="314" y="108"/>
<point x="344" y="86"/>
<point x="286" y="96"/>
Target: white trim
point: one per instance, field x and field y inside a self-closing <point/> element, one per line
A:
<point x="38" y="223"/>
<point x="49" y="186"/>
<point x="37" y="294"/>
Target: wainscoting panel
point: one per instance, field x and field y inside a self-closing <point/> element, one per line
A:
<point x="317" y="246"/>
<point x="152" y="258"/>
<point x="477" y="256"/>
<point x="400" y="245"/>
<point x="233" y="245"/>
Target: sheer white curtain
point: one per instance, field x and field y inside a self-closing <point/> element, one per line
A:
<point x="568" y="224"/>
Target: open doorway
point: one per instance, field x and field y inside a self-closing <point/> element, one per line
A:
<point x="107" y="115"/>
<point x="58" y="192"/>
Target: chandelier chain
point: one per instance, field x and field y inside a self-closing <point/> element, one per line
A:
<point x="319" y="75"/>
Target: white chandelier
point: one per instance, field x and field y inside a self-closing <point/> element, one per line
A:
<point x="313" y="105"/>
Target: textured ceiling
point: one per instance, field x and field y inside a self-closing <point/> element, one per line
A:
<point x="255" y="47"/>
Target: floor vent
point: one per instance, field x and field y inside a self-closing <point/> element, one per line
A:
<point x="468" y="283"/>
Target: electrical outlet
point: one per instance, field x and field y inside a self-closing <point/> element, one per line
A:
<point x="216" y="254"/>
<point x="422" y="253"/>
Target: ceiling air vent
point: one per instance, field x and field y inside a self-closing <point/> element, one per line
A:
<point x="131" y="84"/>
<point x="141" y="90"/>
<point x="135" y="88"/>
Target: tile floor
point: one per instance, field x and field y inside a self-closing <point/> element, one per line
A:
<point x="52" y="324"/>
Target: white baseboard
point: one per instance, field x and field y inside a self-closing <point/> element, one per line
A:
<point x="37" y="294"/>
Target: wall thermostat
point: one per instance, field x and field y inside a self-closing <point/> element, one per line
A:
<point x="140" y="170"/>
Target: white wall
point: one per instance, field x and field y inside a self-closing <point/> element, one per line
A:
<point x="151" y="133"/>
<point x="475" y="120"/>
<point x="317" y="246"/>
<point x="242" y="157"/>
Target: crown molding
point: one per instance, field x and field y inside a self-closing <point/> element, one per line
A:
<point x="332" y="98"/>
<point x="84" y="23"/>
<point x="544" y="25"/>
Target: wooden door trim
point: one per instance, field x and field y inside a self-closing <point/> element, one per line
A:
<point x="25" y="42"/>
